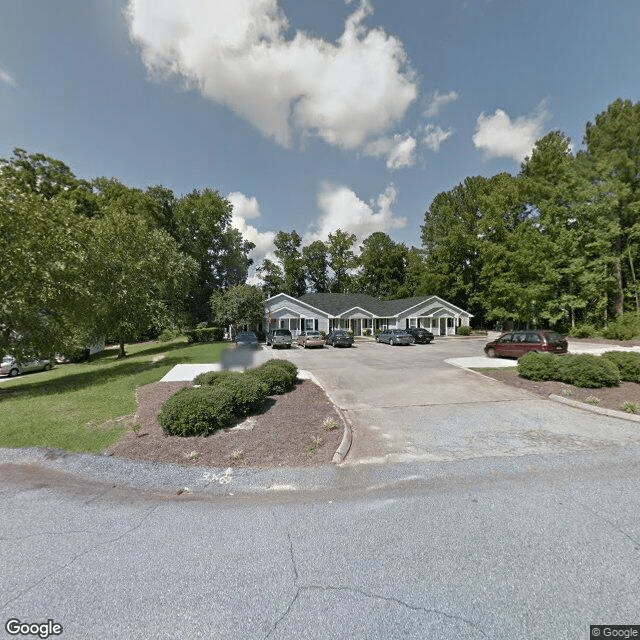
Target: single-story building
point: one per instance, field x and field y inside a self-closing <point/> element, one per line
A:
<point x="361" y="313"/>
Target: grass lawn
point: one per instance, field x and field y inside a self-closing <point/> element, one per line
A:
<point x="85" y="407"/>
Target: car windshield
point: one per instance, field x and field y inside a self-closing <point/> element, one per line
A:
<point x="246" y="337"/>
<point x="339" y="333"/>
<point x="552" y="336"/>
<point x="7" y="359"/>
<point x="313" y="334"/>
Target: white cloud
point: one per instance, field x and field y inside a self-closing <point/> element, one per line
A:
<point x="439" y="100"/>
<point x="435" y="136"/>
<point x="237" y="54"/>
<point x="341" y="208"/>
<point x="399" y="150"/>
<point x="499" y="136"/>
<point x="244" y="208"/>
<point x="6" y="77"/>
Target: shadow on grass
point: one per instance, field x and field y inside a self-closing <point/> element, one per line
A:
<point x="102" y="369"/>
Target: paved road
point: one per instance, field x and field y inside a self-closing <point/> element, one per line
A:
<point x="512" y="548"/>
<point x="407" y="403"/>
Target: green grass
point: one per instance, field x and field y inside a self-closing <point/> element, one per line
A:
<point x="86" y="407"/>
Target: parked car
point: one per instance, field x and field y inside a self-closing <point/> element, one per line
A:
<point x="310" y="339"/>
<point x="279" y="338"/>
<point x="516" y="343"/>
<point x="11" y="367"/>
<point x="394" y="336"/>
<point x="339" y="338"/>
<point x="247" y="340"/>
<point x="420" y="335"/>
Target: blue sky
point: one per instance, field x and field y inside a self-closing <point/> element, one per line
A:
<point x="313" y="114"/>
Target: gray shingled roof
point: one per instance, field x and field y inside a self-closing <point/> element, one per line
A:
<point x="336" y="303"/>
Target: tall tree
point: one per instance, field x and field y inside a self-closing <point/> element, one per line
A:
<point x="240" y="305"/>
<point x="341" y="260"/>
<point x="288" y="253"/>
<point x="139" y="276"/>
<point x="383" y="266"/>
<point x="45" y="293"/>
<point x="316" y="266"/>
<point x="272" y="277"/>
<point x="613" y="156"/>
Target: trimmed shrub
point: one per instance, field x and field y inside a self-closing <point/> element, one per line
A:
<point x="628" y="363"/>
<point x="584" y="331"/>
<point x="197" y="411"/>
<point x="278" y="375"/>
<point x="208" y="334"/>
<point x="624" y="327"/>
<point x="539" y="366"/>
<point x="588" y="371"/>
<point x="463" y="330"/>
<point x="211" y="378"/>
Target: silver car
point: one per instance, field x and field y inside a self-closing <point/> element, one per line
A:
<point x="11" y="367"/>
<point x="310" y="339"/>
<point x="394" y="336"/>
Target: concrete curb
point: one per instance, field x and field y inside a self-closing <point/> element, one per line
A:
<point x="612" y="413"/>
<point x="347" y="435"/>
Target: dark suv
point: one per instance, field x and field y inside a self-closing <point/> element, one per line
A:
<point x="517" y="343"/>
<point x="279" y="338"/>
<point x="420" y="335"/>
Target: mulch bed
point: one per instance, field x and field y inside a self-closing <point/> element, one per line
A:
<point x="281" y="435"/>
<point x="609" y="397"/>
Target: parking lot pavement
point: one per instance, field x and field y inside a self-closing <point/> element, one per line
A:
<point x="410" y="403"/>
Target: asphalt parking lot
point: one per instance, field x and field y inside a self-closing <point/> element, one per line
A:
<point x="410" y="403"/>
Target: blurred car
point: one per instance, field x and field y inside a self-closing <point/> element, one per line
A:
<point x="516" y="343"/>
<point x="11" y="367"/>
<point x="310" y="339"/>
<point x="247" y="340"/>
<point x="279" y="338"/>
<point x="339" y="338"/>
<point x="420" y="335"/>
<point x="394" y="336"/>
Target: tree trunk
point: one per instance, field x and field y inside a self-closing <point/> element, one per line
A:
<point x="635" y="282"/>
<point x="619" y="306"/>
<point x="121" y="353"/>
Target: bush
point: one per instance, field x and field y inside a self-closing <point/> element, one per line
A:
<point x="624" y="327"/>
<point x="197" y="411"/>
<point x="211" y="378"/>
<point x="584" y="331"/>
<point x="539" y="366"/>
<point x="208" y="334"/>
<point x="588" y="371"/>
<point x="628" y="363"/>
<point x="279" y="376"/>
<point x="463" y="330"/>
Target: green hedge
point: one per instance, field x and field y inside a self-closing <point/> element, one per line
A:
<point x="224" y="396"/>
<point x="539" y="366"/>
<point x="463" y="330"/>
<point x="624" y="327"/>
<point x="197" y="411"/>
<point x="628" y="363"/>
<point x="581" y="370"/>
<point x="279" y="375"/>
<point x="209" y="334"/>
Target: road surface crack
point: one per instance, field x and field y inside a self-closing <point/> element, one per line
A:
<point x="77" y="557"/>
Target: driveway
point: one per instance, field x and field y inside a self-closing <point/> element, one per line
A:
<point x="409" y="403"/>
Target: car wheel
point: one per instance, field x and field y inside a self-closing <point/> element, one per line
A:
<point x="491" y="352"/>
<point x="13" y="373"/>
<point x="47" y="367"/>
<point x="377" y="339"/>
<point x="391" y="342"/>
